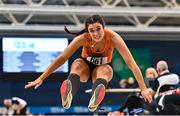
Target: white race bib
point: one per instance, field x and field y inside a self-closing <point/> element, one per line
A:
<point x="97" y="60"/>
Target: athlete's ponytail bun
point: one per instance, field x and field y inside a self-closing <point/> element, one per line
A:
<point x="73" y="33"/>
<point x="90" y="20"/>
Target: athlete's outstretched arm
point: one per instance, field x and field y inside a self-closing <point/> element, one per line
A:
<point x="61" y="59"/>
<point x="120" y="45"/>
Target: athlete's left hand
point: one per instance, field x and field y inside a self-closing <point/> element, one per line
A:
<point x="146" y="95"/>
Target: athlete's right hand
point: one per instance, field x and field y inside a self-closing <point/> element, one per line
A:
<point x="34" y="84"/>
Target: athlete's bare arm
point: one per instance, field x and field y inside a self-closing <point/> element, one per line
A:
<point x="61" y="59"/>
<point x="120" y="45"/>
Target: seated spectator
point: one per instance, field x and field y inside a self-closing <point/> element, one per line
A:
<point x="129" y="83"/>
<point x="15" y="104"/>
<point x="162" y="86"/>
<point x="165" y="81"/>
<point x="123" y="83"/>
<point x="151" y="74"/>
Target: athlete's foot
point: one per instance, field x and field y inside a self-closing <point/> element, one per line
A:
<point x="66" y="94"/>
<point x="97" y="97"/>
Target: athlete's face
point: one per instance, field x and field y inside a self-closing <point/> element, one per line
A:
<point x="96" y="31"/>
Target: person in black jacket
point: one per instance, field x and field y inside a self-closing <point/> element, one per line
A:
<point x="164" y="90"/>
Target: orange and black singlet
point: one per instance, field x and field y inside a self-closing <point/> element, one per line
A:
<point x="97" y="58"/>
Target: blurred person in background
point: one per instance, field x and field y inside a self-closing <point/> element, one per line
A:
<point x="164" y="90"/>
<point x="123" y="83"/>
<point x="15" y="106"/>
<point x="131" y="83"/>
<point x="98" y="43"/>
<point x="150" y="76"/>
<point x="165" y="81"/>
<point x="128" y="83"/>
<point x="134" y="102"/>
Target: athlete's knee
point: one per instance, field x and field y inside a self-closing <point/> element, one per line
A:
<point x="78" y="64"/>
<point x="106" y="69"/>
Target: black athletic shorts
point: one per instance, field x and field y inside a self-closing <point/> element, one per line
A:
<point x="91" y="65"/>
